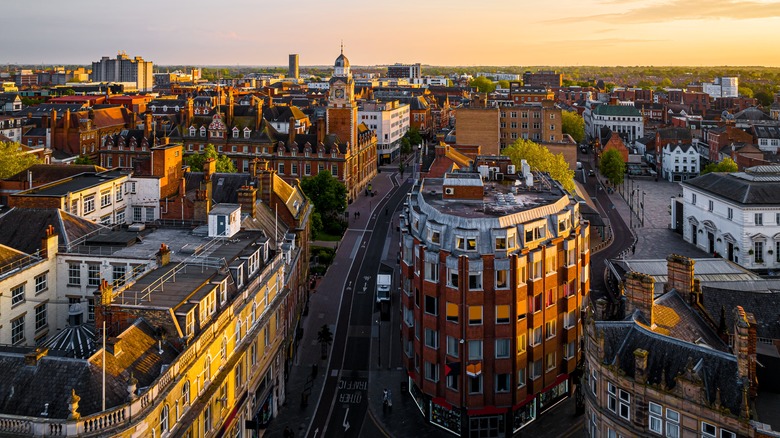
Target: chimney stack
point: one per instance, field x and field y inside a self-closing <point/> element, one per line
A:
<point x="639" y="290"/>
<point x="49" y="243"/>
<point x="680" y="271"/>
<point x="163" y="255"/>
<point x="640" y="366"/>
<point x="292" y="130"/>
<point x="32" y="358"/>
<point x="320" y="131"/>
<point x="247" y="196"/>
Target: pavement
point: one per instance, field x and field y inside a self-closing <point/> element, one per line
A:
<point x="652" y="239"/>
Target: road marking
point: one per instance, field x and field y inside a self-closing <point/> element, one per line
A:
<point x="316" y="431"/>
<point x="346" y="423"/>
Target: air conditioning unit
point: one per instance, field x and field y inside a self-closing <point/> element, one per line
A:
<point x="449" y="191"/>
<point x="511" y="169"/>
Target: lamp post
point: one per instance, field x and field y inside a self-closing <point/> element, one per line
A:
<point x="643" y="208"/>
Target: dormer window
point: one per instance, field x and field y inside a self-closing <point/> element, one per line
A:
<point x="202" y="131"/>
<point x="333" y="154"/>
<point x="192" y="131"/>
<point x="247" y="131"/>
<point x="307" y="152"/>
<point x="235" y="132"/>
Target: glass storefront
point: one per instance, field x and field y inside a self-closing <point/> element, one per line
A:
<point x="552" y="396"/>
<point x="524" y="415"/>
<point x="445" y="417"/>
<point x="418" y="397"/>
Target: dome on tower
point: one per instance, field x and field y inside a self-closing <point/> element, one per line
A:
<point x="342" y="61"/>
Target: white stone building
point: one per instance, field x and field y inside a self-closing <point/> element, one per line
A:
<point x="736" y="215"/>
<point x="680" y="162"/>
<point x="623" y="119"/>
<point x="390" y="121"/>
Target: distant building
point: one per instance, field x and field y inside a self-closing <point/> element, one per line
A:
<point x="292" y="69"/>
<point x="680" y="162"/>
<point x="724" y="86"/>
<point x="390" y="121"/>
<point x="404" y="71"/>
<point x="124" y="69"/>
<point x="623" y="119"/>
<point x="544" y="78"/>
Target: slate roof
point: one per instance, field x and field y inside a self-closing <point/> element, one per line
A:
<point x="763" y="305"/>
<point x="224" y="187"/>
<point x="45" y="173"/>
<point x="746" y="188"/>
<point x="674" y="317"/>
<point x="23" y="228"/>
<point x="669" y="358"/>
<point x="279" y="113"/>
<point x="674" y="134"/>
<point x="766" y="131"/>
<point x="752" y="113"/>
<point x="617" y="110"/>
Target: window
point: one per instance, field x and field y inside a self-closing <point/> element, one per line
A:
<point x="185" y="393"/>
<point x="452" y="382"/>
<point x="710" y="205"/>
<point x="759" y="218"/>
<point x="17" y="294"/>
<point x="502" y="348"/>
<point x="535" y="304"/>
<point x="207" y="418"/>
<point x="93" y="274"/>
<point x="502" y="382"/>
<point x="758" y="252"/>
<point x="693" y="198"/>
<point x="40" y="317"/>
<point x="502" y="314"/>
<point x="502" y="279"/>
<point x="475" y="350"/>
<point x="521" y="343"/>
<point x="594" y="382"/>
<point x="535" y="336"/>
<point x="452" y="312"/>
<point x="537" y="270"/>
<point x="280" y="168"/>
<point x="570" y="350"/>
<point x="334" y="170"/>
<point x="707" y="430"/>
<point x="164" y="419"/>
<point x="475" y="315"/>
<point x="549" y="328"/>
<point x="672" y="424"/>
<point x="89" y="204"/>
<point x="727" y="434"/>
<point x="500" y="242"/>
<point x="655" y="424"/>
<point x="549" y="298"/>
<point x="432" y="339"/>
<point x="550" y="360"/>
<point x="137" y="214"/>
<point x="118" y="274"/>
<point x="452" y="277"/>
<point x="431" y="371"/>
<point x="431" y="305"/>
<point x="90" y="309"/>
<point x="475" y="281"/>
<point x="536" y="370"/>
<point x="41" y="283"/>
<point x="452" y="346"/>
<point x="475" y="384"/>
<point x="17" y="330"/>
<point x="149" y="214"/>
<point x="625" y="405"/>
<point x="432" y="271"/>
<point x="105" y="198"/>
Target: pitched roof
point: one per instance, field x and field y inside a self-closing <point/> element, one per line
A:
<point x="763" y="305"/>
<point x="617" y="110"/>
<point x="671" y="359"/>
<point x="45" y="173"/>
<point x="674" y="134"/>
<point x="23" y="228"/>
<point x="746" y="188"/>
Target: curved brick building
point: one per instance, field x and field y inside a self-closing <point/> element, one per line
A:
<point x="494" y="275"/>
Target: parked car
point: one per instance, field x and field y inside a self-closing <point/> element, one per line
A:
<point x="591" y="172"/>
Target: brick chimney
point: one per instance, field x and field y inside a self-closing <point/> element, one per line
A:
<point x="190" y="113"/>
<point x="640" y="366"/>
<point x="209" y="168"/>
<point x="292" y="130"/>
<point x="247" y="195"/>
<point x="680" y="271"/>
<point x="744" y="347"/>
<point x="320" y="131"/>
<point x="639" y="290"/>
<point x="32" y="358"/>
<point x="230" y="107"/>
<point x="147" y="124"/>
<point x="49" y="243"/>
<point x="258" y="113"/>
<point x="164" y="255"/>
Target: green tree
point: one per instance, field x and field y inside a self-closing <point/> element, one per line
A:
<point x="325" y="338"/>
<point x="504" y="84"/>
<point x="540" y="158"/>
<point x="746" y="92"/>
<point x="764" y="98"/>
<point x="83" y="159"/>
<point x="406" y="145"/>
<point x="329" y="197"/>
<point x="224" y="164"/>
<point x="483" y="85"/>
<point x="612" y="166"/>
<point x="316" y="225"/>
<point x="414" y="137"/>
<point x="13" y="159"/>
<point x="725" y="165"/>
<point x="573" y="125"/>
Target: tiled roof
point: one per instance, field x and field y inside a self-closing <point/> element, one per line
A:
<point x="617" y="110"/>
<point x="44" y="173"/>
<point x="674" y="317"/>
<point x="674" y="134"/>
<point x="733" y="187"/>
<point x="763" y="305"/>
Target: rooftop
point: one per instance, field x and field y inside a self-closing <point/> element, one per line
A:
<point x="755" y="185"/>
<point x="72" y="184"/>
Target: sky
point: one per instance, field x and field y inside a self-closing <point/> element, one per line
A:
<point x="433" y="32"/>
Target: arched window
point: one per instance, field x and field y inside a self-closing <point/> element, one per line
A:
<point x="164" y="420"/>
<point x="185" y="393"/>
<point x="223" y="350"/>
<point x="238" y="331"/>
<point x="207" y="369"/>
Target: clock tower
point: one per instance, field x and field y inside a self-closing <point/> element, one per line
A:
<point x="342" y="109"/>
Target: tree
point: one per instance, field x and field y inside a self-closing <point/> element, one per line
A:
<point x="13" y="159"/>
<point x="504" y="84"/>
<point x="725" y="165"/>
<point x="573" y="125"/>
<point x="224" y="164"/>
<point x="83" y="159"/>
<point x="316" y="225"/>
<point x="483" y="85"/>
<point x="414" y="137"/>
<point x="764" y="98"/>
<point x="329" y="197"/>
<point x="746" y="92"/>
<point x="612" y="166"/>
<point x="540" y="158"/>
<point x="325" y="338"/>
<point x="406" y="146"/>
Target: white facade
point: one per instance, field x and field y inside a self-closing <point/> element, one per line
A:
<point x="748" y="235"/>
<point x="390" y="121"/>
<point x="623" y="119"/>
<point x="102" y="203"/>
<point x="143" y="199"/>
<point x="324" y="86"/>
<point x="11" y="127"/>
<point x="224" y="220"/>
<point x="724" y="86"/>
<point x="680" y="162"/>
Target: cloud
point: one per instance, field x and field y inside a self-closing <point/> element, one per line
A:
<point x="678" y="10"/>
